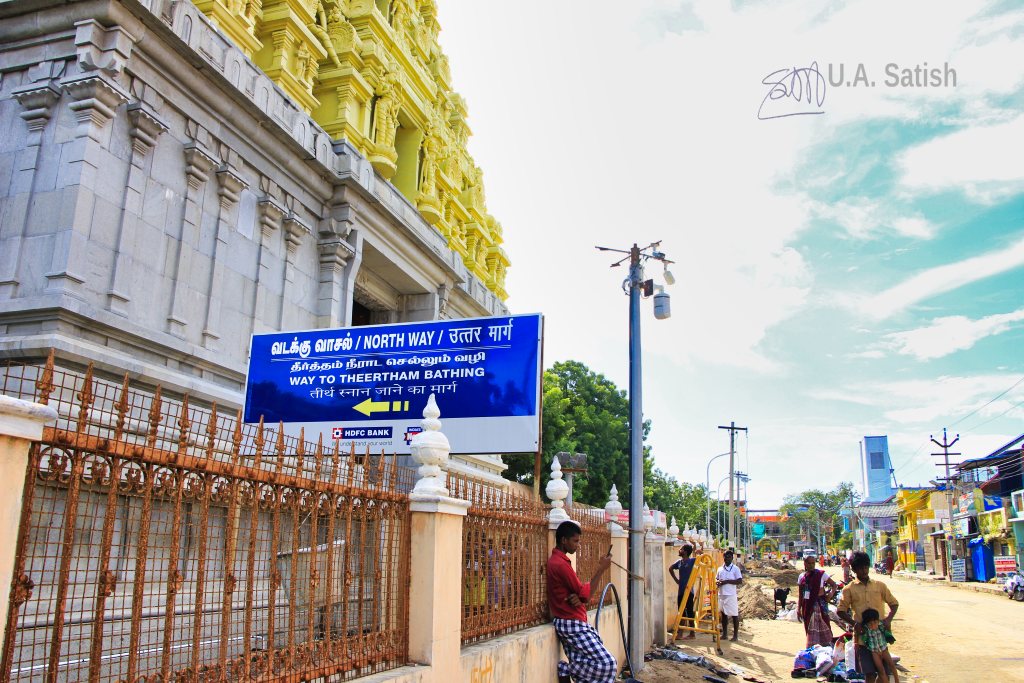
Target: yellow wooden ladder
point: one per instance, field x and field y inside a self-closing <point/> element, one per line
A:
<point x="704" y="588"/>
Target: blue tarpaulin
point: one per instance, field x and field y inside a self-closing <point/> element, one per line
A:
<point x="981" y="558"/>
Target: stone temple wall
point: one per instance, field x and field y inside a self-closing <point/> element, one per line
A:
<point x="161" y="199"/>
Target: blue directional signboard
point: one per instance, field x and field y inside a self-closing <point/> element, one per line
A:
<point x="368" y="385"/>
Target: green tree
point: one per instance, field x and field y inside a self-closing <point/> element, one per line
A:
<point x="688" y="503"/>
<point x="816" y="511"/>
<point x="584" y="412"/>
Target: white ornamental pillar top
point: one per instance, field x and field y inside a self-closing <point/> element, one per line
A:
<point x="648" y="520"/>
<point x="613" y="507"/>
<point x="557" y="490"/>
<point x="673" y="530"/>
<point x="430" y="448"/>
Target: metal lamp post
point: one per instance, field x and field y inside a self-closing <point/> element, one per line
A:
<point x="718" y="497"/>
<point x="707" y="486"/>
<point x="634" y="285"/>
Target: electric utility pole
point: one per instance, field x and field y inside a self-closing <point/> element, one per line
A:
<point x="732" y="465"/>
<point x="947" y="481"/>
<point x="635" y="285"/>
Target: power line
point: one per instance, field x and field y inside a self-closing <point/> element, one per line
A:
<point x="990" y="402"/>
<point x="924" y="443"/>
<point x="980" y="424"/>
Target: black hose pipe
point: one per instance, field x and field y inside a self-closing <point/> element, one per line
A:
<point x="622" y="625"/>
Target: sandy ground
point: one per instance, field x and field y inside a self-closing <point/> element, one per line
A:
<point x="943" y="635"/>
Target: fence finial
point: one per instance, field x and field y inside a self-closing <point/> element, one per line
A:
<point x="430" y="448"/>
<point x="613" y="508"/>
<point x="557" y="490"/>
<point x="648" y="521"/>
<point x="673" y="531"/>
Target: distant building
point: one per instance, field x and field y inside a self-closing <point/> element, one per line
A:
<point x="876" y="468"/>
<point x="770" y="524"/>
<point x="876" y="524"/>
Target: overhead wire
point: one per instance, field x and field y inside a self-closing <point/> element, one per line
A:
<point x="995" y="398"/>
<point x="989" y="402"/>
<point x="985" y="422"/>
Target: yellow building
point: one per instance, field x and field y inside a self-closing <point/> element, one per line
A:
<point x="372" y="72"/>
<point x="913" y="508"/>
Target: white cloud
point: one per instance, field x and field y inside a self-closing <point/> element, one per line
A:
<point x="593" y="127"/>
<point x="942" y="279"/>
<point x="982" y="161"/>
<point x="863" y="218"/>
<point x="950" y="334"/>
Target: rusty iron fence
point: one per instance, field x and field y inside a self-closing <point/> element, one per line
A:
<point x="164" y="541"/>
<point x="505" y="549"/>
<point x="594" y="543"/>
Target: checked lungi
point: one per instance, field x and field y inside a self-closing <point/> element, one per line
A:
<point x="589" y="660"/>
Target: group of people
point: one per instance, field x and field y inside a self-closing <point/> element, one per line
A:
<point x="860" y="610"/>
<point x="861" y="606"/>
<point x="589" y="661"/>
<point x="728" y="577"/>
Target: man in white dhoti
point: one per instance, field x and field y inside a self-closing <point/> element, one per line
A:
<point x="728" y="578"/>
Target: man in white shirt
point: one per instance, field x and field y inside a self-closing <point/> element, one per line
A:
<point x="728" y="578"/>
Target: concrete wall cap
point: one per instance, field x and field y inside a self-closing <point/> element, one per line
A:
<point x="24" y="419"/>
<point x="419" y="502"/>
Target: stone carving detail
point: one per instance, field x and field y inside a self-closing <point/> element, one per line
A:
<point x="146" y="128"/>
<point x="385" y="115"/>
<point x="334" y="251"/>
<point x="343" y="35"/>
<point x="271" y="214"/>
<point x="198" y="164"/>
<point x="38" y="100"/>
<point x="229" y="186"/>
<point x="94" y="102"/>
<point x="294" y="230"/>
<point x="102" y="49"/>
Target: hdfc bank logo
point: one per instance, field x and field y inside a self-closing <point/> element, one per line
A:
<point x="337" y="433"/>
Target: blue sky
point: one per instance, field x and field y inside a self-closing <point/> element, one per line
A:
<point x="855" y="272"/>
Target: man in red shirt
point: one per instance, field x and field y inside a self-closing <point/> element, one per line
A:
<point x="589" y="660"/>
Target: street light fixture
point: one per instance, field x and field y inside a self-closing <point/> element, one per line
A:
<point x="634" y="285"/>
<point x="707" y="484"/>
<point x="807" y="507"/>
<point x="718" y="497"/>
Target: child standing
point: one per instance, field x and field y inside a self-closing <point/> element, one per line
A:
<point x="874" y="640"/>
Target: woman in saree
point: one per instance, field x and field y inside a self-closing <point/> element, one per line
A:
<point x="816" y="589"/>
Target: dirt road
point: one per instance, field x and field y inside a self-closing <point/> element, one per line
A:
<point x="943" y="634"/>
<point x="946" y="634"/>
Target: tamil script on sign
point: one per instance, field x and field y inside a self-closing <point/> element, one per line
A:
<point x="375" y="380"/>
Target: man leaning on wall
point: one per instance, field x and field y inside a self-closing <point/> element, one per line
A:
<point x="589" y="660"/>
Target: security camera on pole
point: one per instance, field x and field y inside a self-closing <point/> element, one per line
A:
<point x="633" y="286"/>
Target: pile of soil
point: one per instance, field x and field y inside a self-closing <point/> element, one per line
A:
<point x="756" y="600"/>
<point x="780" y="573"/>
<point x="786" y="577"/>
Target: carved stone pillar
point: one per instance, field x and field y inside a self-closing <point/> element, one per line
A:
<point x="94" y="101"/>
<point x="37" y="101"/>
<point x="338" y="261"/>
<point x="294" y="230"/>
<point x="229" y="188"/>
<point x="145" y="130"/>
<point x="270" y="215"/>
<point x="198" y="165"/>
